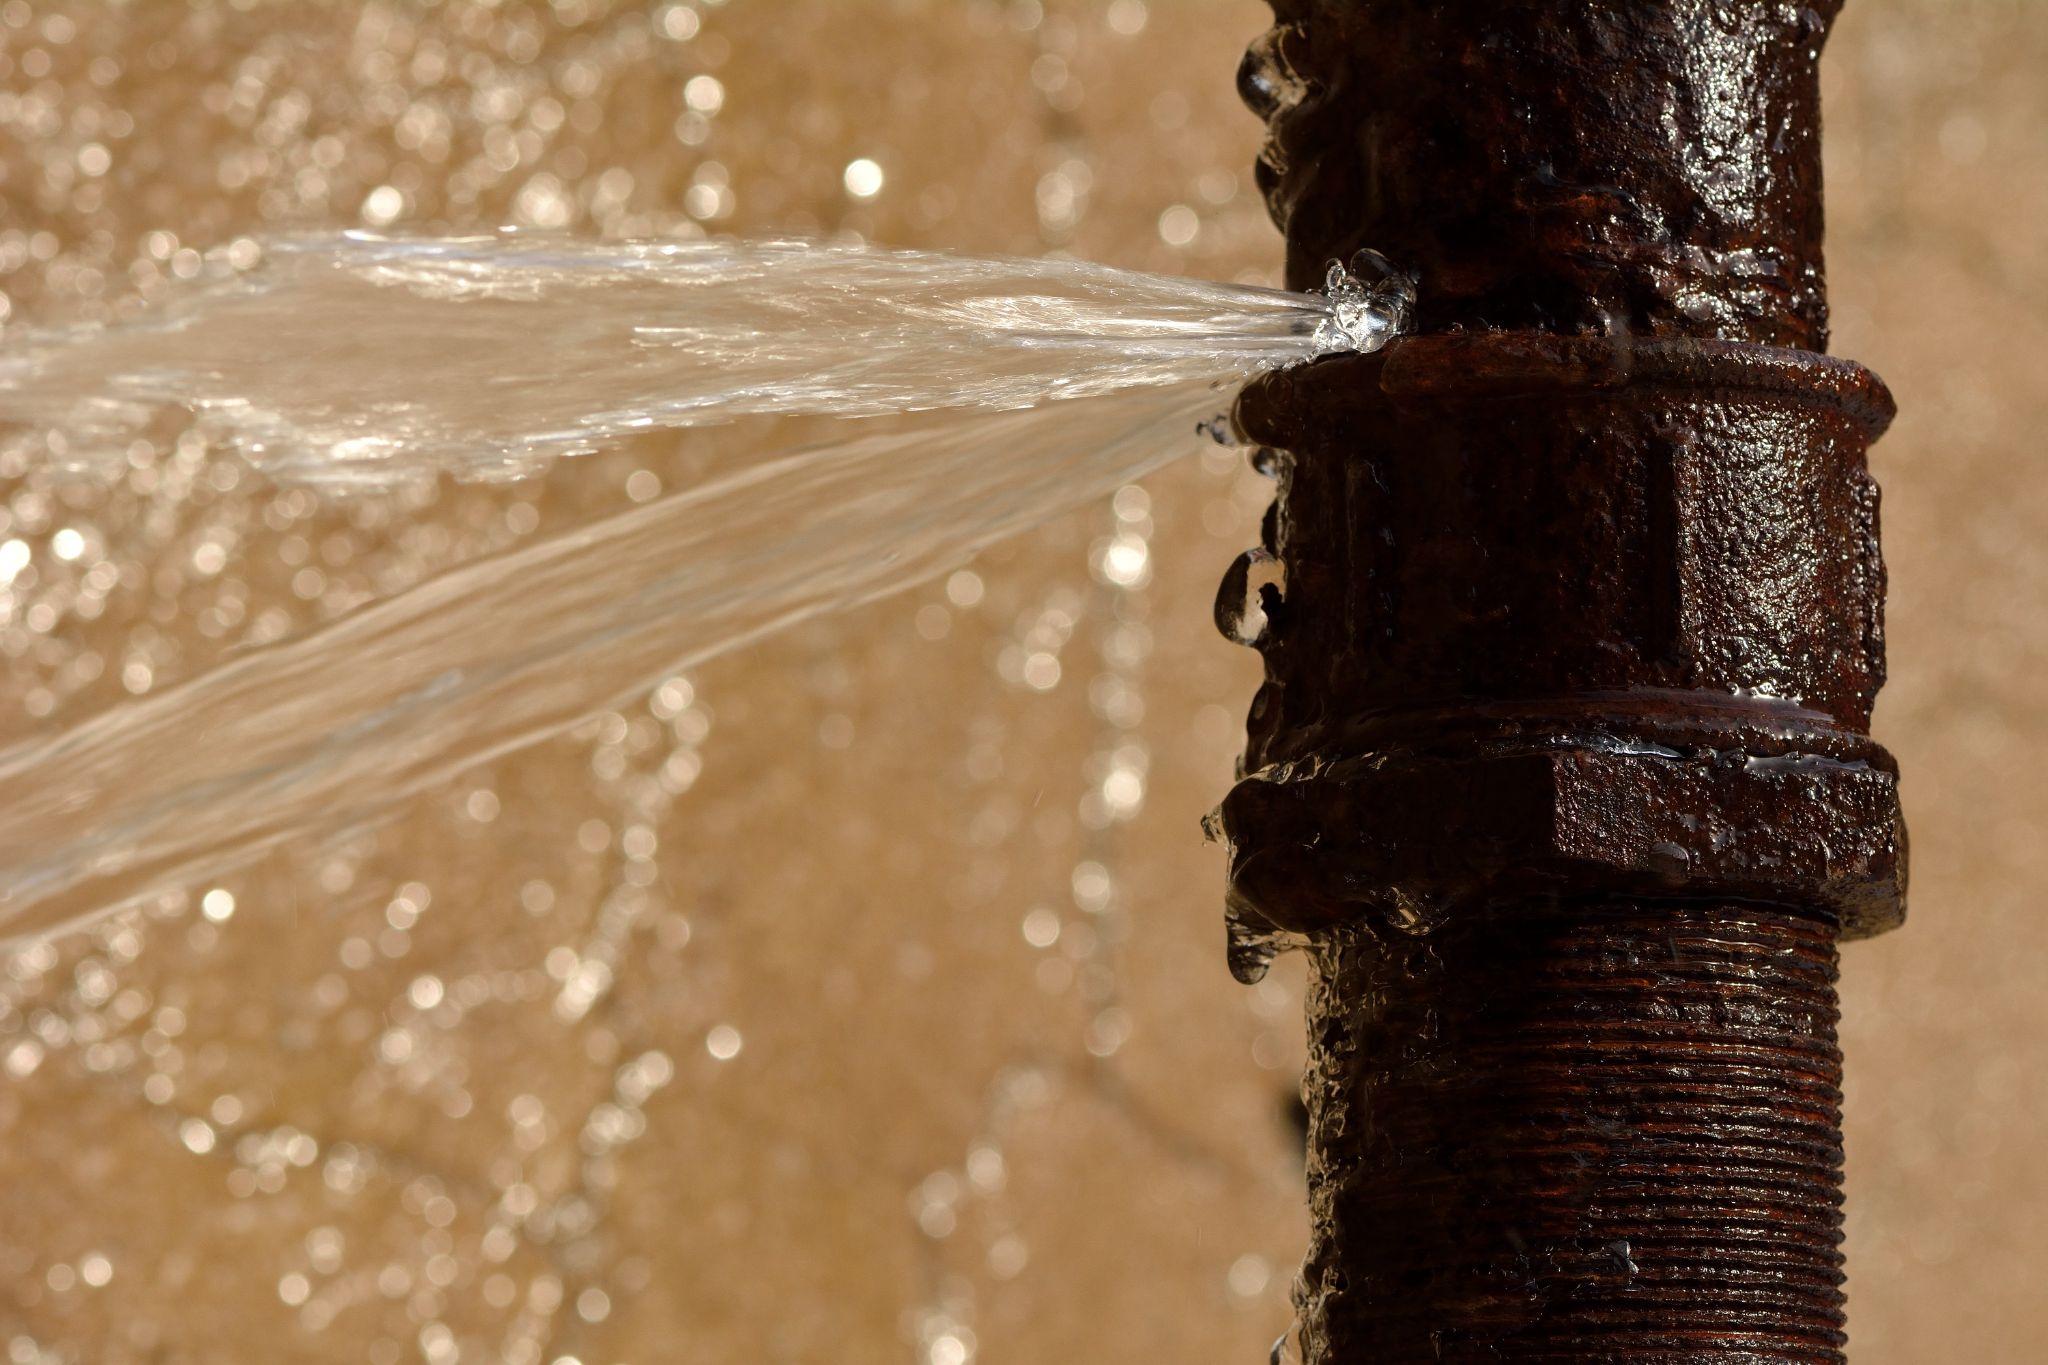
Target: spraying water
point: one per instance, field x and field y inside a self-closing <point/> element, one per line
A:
<point x="358" y="362"/>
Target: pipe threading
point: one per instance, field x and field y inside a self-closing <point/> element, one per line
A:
<point x="1576" y="1131"/>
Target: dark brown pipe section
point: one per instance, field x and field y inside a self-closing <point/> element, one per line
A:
<point x="1557" y="165"/>
<point x="1562" y="763"/>
<point x="1567" y="1152"/>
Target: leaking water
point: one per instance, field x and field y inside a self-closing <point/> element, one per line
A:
<point x="1252" y="589"/>
<point x="353" y="362"/>
<point x="1251" y="943"/>
<point x="360" y="360"/>
<point x="762" y="872"/>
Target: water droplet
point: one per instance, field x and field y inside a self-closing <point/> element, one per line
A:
<point x="1253" y="943"/>
<point x="1671" y="862"/>
<point x="1248" y="1276"/>
<point x="1624" y="1257"/>
<point x="704" y="94"/>
<point x="1218" y="428"/>
<point x="1252" y="589"/>
<point x="723" y="1042"/>
<point x="1412" y="915"/>
<point x="863" y="178"/>
<point x="1268" y="462"/>
<point x="1266" y="80"/>
<point x="1179" y="225"/>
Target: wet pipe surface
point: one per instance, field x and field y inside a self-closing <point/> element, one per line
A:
<point x="1562" y="760"/>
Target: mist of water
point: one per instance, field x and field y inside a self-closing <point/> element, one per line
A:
<point x="353" y="362"/>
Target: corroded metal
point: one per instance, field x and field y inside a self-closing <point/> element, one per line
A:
<point x="1562" y="763"/>
<point x="1653" y="164"/>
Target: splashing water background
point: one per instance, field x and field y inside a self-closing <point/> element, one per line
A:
<point x="858" y="996"/>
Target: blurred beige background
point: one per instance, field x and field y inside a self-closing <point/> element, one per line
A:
<point x="840" y="1002"/>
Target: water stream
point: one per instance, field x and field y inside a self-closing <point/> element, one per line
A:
<point x="358" y="362"/>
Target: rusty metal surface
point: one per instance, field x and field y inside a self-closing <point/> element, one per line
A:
<point x="1566" y="1153"/>
<point x="1559" y="609"/>
<point x="1562" y="758"/>
<point x="1563" y="168"/>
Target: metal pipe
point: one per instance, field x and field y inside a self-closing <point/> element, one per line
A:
<point x="1561" y="767"/>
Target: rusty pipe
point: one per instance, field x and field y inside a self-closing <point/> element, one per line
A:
<point x="1562" y="765"/>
